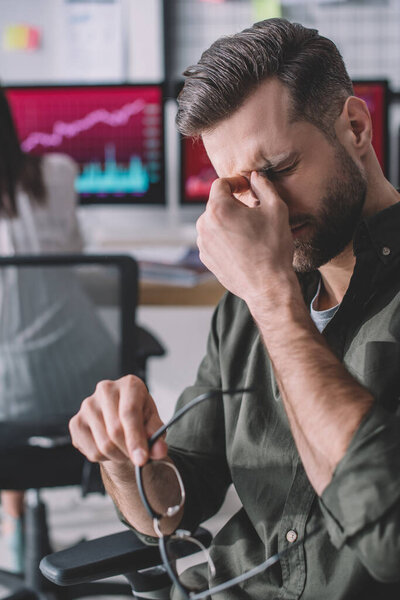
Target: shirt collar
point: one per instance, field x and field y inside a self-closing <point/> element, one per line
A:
<point x="382" y="232"/>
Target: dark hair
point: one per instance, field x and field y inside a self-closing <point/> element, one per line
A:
<point x="309" y="65"/>
<point x="16" y="167"/>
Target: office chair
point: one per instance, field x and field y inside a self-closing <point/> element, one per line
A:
<point x="33" y="456"/>
<point x="117" y="554"/>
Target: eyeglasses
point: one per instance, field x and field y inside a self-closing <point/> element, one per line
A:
<point x="162" y="493"/>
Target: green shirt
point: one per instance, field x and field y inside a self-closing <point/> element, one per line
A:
<point x="246" y="440"/>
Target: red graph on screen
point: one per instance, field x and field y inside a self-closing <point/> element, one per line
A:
<point x="61" y="129"/>
<point x="81" y="121"/>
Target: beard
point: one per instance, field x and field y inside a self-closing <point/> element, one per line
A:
<point x="335" y="224"/>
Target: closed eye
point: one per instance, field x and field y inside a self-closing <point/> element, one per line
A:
<point x="276" y="174"/>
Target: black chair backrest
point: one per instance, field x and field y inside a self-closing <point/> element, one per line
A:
<point x="107" y="280"/>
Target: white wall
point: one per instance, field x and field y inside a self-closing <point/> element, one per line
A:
<point x="183" y="331"/>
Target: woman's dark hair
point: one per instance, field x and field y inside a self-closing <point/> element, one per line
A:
<point x="16" y="167"/>
<point x="309" y="65"/>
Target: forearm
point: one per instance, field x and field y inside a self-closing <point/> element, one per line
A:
<point x="361" y="505"/>
<point x="324" y="404"/>
<point x="120" y="482"/>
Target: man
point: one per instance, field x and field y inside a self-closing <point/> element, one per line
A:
<point x="302" y="228"/>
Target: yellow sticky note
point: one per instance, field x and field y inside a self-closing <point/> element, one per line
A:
<point x="21" y="37"/>
<point x="266" y="9"/>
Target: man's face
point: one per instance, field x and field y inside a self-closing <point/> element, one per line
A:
<point x="320" y="183"/>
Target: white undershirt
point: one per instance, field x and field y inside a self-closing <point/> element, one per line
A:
<point x="321" y="318"/>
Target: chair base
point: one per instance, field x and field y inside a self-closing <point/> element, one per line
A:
<point x="33" y="585"/>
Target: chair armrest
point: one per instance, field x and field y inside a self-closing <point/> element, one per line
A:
<point x="147" y="344"/>
<point x="111" y="555"/>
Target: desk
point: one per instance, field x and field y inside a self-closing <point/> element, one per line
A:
<point x="205" y="294"/>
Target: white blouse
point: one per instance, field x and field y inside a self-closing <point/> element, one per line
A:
<point x="52" y="227"/>
<point x="53" y="346"/>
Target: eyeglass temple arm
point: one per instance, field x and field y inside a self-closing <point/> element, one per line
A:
<point x="179" y="413"/>
<point x="255" y="570"/>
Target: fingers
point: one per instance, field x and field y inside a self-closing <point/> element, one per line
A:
<point x="237" y="188"/>
<point x="237" y="184"/>
<point x="116" y="422"/>
<point x="271" y="202"/>
<point x="159" y="449"/>
<point x="263" y="188"/>
<point x="139" y="418"/>
<point x="91" y="437"/>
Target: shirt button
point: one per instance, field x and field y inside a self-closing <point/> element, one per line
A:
<point x="291" y="536"/>
<point x="385" y="251"/>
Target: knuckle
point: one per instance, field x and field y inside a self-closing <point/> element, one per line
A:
<point x="94" y="456"/>
<point x="105" y="386"/>
<point x="89" y="405"/>
<point x="130" y="410"/>
<point x="115" y="430"/>
<point x="106" y="447"/>
<point x="134" y="381"/>
<point x="73" y="427"/>
<point x="217" y="186"/>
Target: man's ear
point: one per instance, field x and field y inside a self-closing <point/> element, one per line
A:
<point x="354" y="127"/>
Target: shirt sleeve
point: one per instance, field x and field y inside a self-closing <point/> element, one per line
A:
<point x="197" y="444"/>
<point x="361" y="504"/>
<point x="197" y="441"/>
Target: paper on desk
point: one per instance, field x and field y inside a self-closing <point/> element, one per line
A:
<point x="160" y="254"/>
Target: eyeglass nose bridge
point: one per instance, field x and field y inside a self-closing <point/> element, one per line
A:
<point x="184" y="535"/>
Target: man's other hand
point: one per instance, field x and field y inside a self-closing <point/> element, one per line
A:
<point x="115" y="422"/>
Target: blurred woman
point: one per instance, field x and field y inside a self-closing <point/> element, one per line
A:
<point x="53" y="348"/>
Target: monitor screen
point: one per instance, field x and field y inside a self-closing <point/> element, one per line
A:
<point x="114" y="133"/>
<point x="375" y="94"/>
<point x="198" y="173"/>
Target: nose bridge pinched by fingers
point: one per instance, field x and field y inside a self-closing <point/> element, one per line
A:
<point x="231" y="185"/>
<point x="258" y="182"/>
<point x="264" y="190"/>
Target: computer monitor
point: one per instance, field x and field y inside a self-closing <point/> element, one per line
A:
<point x="198" y="173"/>
<point x="114" y="132"/>
<point x="376" y="95"/>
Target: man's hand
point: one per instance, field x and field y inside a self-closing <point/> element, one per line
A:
<point x="112" y="428"/>
<point x="115" y="423"/>
<point x="244" y="236"/>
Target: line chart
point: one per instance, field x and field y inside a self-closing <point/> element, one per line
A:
<point x="63" y="130"/>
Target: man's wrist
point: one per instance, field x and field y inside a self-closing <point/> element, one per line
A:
<point x="281" y="300"/>
<point x="122" y="472"/>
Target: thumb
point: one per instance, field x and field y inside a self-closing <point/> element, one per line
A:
<point x="263" y="188"/>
